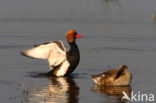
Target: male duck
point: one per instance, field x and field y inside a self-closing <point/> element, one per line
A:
<point x="61" y="61"/>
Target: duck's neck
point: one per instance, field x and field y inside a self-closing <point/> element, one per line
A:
<point x="73" y="48"/>
<point x="73" y="56"/>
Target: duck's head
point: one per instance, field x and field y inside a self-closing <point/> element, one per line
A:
<point x="72" y="35"/>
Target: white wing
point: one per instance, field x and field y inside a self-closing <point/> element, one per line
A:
<point x="55" y="52"/>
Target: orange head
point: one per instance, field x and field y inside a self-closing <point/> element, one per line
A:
<point x="72" y="35"/>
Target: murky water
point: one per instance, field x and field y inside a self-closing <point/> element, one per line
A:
<point x="116" y="32"/>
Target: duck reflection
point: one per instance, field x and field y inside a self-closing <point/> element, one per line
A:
<point x="60" y="90"/>
<point x="154" y="17"/>
<point x="115" y="91"/>
<point x="64" y="86"/>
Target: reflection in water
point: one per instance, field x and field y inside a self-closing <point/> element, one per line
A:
<point x="115" y="91"/>
<point x="60" y="90"/>
<point x="154" y="17"/>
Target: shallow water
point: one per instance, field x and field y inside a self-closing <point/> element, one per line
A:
<point x="116" y="32"/>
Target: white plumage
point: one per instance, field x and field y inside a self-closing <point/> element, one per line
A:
<point x="63" y="69"/>
<point x="54" y="52"/>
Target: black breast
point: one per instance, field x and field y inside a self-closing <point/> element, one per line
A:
<point x="73" y="56"/>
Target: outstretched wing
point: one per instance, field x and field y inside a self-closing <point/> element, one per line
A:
<point x="54" y="52"/>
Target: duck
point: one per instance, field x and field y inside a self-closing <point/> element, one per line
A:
<point x="62" y="62"/>
<point x="114" y="77"/>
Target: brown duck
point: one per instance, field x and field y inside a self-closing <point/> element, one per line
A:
<point x="119" y="77"/>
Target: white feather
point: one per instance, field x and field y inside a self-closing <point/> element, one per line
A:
<point x="62" y="45"/>
<point x="63" y="69"/>
<point x="103" y="75"/>
<point x="39" y="52"/>
<point x="51" y="51"/>
<point x="56" y="56"/>
<point x="96" y="80"/>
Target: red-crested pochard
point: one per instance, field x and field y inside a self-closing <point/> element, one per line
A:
<point x="119" y="77"/>
<point x="61" y="61"/>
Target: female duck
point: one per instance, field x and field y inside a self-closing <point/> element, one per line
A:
<point x="119" y="77"/>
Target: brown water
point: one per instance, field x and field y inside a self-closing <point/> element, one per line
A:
<point x="116" y="32"/>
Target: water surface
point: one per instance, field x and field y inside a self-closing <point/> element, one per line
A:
<point x="116" y="32"/>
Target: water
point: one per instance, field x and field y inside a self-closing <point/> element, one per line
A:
<point x="116" y="32"/>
